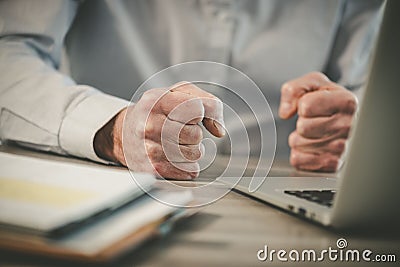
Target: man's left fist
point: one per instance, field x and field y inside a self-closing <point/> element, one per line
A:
<point x="325" y="113"/>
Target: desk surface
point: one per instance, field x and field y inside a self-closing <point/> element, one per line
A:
<point x="229" y="233"/>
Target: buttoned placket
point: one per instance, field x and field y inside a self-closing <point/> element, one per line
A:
<point x="220" y="19"/>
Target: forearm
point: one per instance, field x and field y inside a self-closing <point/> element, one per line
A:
<point x="42" y="108"/>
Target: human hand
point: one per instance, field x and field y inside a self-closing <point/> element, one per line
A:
<point x="325" y="113"/>
<point x="162" y="133"/>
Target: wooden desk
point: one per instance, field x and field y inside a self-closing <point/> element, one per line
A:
<point x="229" y="233"/>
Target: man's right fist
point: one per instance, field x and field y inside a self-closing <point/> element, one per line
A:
<point x="161" y="132"/>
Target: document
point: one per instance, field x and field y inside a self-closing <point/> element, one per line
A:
<point x="43" y="195"/>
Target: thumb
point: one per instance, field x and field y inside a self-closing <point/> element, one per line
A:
<point x="289" y="98"/>
<point x="293" y="90"/>
<point x="213" y="116"/>
<point x="216" y="128"/>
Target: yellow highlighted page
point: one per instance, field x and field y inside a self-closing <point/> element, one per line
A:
<point x="41" y="193"/>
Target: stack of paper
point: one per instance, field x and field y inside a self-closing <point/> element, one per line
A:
<point x="70" y="210"/>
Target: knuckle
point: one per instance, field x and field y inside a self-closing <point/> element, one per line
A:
<point x="183" y="86"/>
<point x="305" y="105"/>
<point x="339" y="145"/>
<point x="179" y="84"/>
<point x="346" y="129"/>
<point x="185" y="170"/>
<point x="351" y="104"/>
<point x="330" y="162"/>
<point x="302" y="127"/>
<point x="191" y="103"/>
<point x="159" y="168"/>
<point x="152" y="94"/>
<point x="194" y="174"/>
<point x="294" y="159"/>
<point x="148" y="94"/>
<point x="214" y="99"/>
<point x="152" y="150"/>
<point x="293" y="139"/>
<point x="197" y="134"/>
<point x="186" y="110"/>
<point x="196" y="105"/>
<point x="211" y="102"/>
<point x="316" y="75"/>
<point x="343" y="125"/>
<point x="149" y="129"/>
<point x="149" y="102"/>
<point x="335" y="147"/>
<point x="288" y="88"/>
<point x="140" y="132"/>
<point x="193" y="153"/>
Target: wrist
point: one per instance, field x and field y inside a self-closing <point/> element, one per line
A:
<point x="107" y="142"/>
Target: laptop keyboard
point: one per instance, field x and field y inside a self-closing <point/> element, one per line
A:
<point x="323" y="197"/>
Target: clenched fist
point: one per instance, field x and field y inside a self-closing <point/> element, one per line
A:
<point x="161" y="132"/>
<point x="325" y="112"/>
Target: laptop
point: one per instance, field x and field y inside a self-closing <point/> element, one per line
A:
<point x="367" y="190"/>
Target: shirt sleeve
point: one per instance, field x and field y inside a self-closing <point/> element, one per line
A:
<point x="39" y="106"/>
<point x="354" y="42"/>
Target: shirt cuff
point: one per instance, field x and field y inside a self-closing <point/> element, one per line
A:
<point x="82" y="123"/>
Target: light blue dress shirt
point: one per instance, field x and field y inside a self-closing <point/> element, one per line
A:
<point x="57" y="56"/>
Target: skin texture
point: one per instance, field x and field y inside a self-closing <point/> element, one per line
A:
<point x="164" y="133"/>
<point x="325" y="113"/>
<point x="163" y="128"/>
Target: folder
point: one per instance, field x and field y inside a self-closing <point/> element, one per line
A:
<point x="105" y="238"/>
<point x="74" y="211"/>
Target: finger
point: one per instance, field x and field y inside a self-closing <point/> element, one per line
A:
<point x="184" y="134"/>
<point x="179" y="171"/>
<point x="293" y="90"/>
<point x="163" y="101"/>
<point x="154" y="151"/>
<point x="153" y="126"/>
<point x="334" y="146"/>
<point x="169" y="169"/>
<point x="181" y="153"/>
<point x="214" y="127"/>
<point x="182" y="107"/>
<point x="190" y="135"/>
<point x="172" y="152"/>
<point x="190" y="153"/>
<point x="213" y="107"/>
<point x="327" y="102"/>
<point x="145" y="113"/>
<point x="337" y="125"/>
<point x="314" y="162"/>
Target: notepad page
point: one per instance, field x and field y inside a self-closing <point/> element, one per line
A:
<point x="43" y="194"/>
